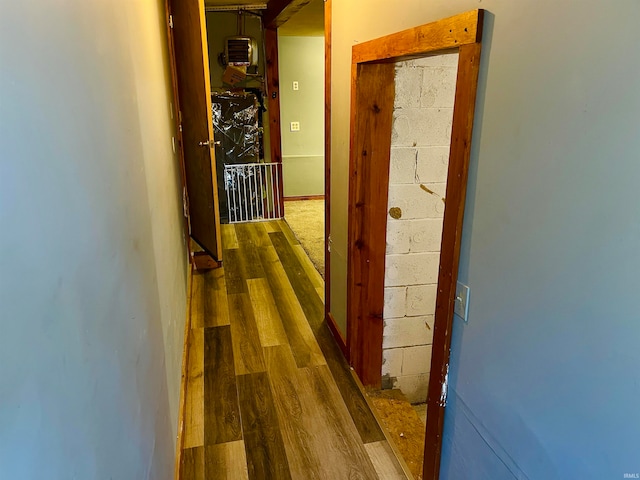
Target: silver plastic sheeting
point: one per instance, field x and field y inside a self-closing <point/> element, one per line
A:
<point x="236" y="126"/>
<point x="235" y="123"/>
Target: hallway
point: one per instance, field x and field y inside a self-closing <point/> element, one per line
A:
<point x="269" y="394"/>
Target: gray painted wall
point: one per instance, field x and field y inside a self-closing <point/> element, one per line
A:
<point x="544" y="377"/>
<point x="92" y="259"/>
<point x="301" y="59"/>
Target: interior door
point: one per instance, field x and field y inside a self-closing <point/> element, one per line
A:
<point x="194" y="92"/>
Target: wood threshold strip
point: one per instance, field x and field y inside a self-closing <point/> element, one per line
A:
<point x="337" y="333"/>
<point x="392" y="442"/>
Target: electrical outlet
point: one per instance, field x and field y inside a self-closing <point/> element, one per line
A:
<point x="461" y="305"/>
<point x="295" y="126"/>
<point x="295" y="85"/>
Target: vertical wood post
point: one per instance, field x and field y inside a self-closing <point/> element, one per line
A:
<point x="372" y="97"/>
<point x="327" y="160"/>
<point x="273" y="91"/>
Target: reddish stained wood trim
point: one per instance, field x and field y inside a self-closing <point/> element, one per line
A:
<point x="374" y="94"/>
<point x="337" y="334"/>
<point x="447" y="33"/>
<point x="273" y="91"/>
<point x="461" y="134"/>
<point x="327" y="160"/>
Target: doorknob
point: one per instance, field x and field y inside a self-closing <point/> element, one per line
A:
<point x="208" y="143"/>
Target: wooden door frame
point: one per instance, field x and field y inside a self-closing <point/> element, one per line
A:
<point x="175" y="114"/>
<point x="372" y="103"/>
<point x="273" y="93"/>
<point x="331" y="322"/>
<point x="200" y="260"/>
<point x="277" y="13"/>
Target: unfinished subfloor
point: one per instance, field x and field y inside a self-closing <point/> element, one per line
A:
<point x="269" y="394"/>
<point x="404" y="425"/>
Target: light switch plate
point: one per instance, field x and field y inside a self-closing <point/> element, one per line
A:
<point x="295" y="126"/>
<point x="461" y="305"/>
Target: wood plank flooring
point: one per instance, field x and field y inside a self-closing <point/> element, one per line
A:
<point x="269" y="394"/>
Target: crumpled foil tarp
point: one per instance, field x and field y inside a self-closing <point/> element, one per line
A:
<point x="236" y="127"/>
<point x="235" y="123"/>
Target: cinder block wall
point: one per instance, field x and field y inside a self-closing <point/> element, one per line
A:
<point x="425" y="91"/>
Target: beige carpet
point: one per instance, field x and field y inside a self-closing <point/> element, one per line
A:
<point x="306" y="219"/>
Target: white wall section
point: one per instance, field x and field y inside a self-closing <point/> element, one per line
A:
<point x="92" y="255"/>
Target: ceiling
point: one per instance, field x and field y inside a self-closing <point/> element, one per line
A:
<point x="217" y="3"/>
<point x="309" y="21"/>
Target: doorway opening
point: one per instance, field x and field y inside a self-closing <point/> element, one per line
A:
<point x="412" y="110"/>
<point x="418" y="168"/>
<point x="249" y="182"/>
<point x="301" y="76"/>
<point x="266" y="169"/>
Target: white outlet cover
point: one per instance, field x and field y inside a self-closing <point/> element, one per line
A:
<point x="295" y="85"/>
<point x="461" y="304"/>
<point x="295" y="126"/>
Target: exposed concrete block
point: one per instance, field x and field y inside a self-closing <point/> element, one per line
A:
<point x="416" y="360"/>
<point x="432" y="165"/>
<point x="398" y="233"/>
<point x="421" y="127"/>
<point x="409" y="80"/>
<point x="402" y="168"/>
<point x="414" y="387"/>
<point x="425" y="235"/>
<point x="416" y="202"/>
<point x="449" y="59"/>
<point x="407" y="332"/>
<point x="425" y="91"/>
<point x="388" y="382"/>
<point x="438" y="87"/>
<point x="412" y="269"/>
<point x="395" y="302"/>
<point x="392" y="362"/>
<point x="421" y="300"/>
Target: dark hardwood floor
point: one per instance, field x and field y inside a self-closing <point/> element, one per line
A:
<point x="269" y="394"/>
